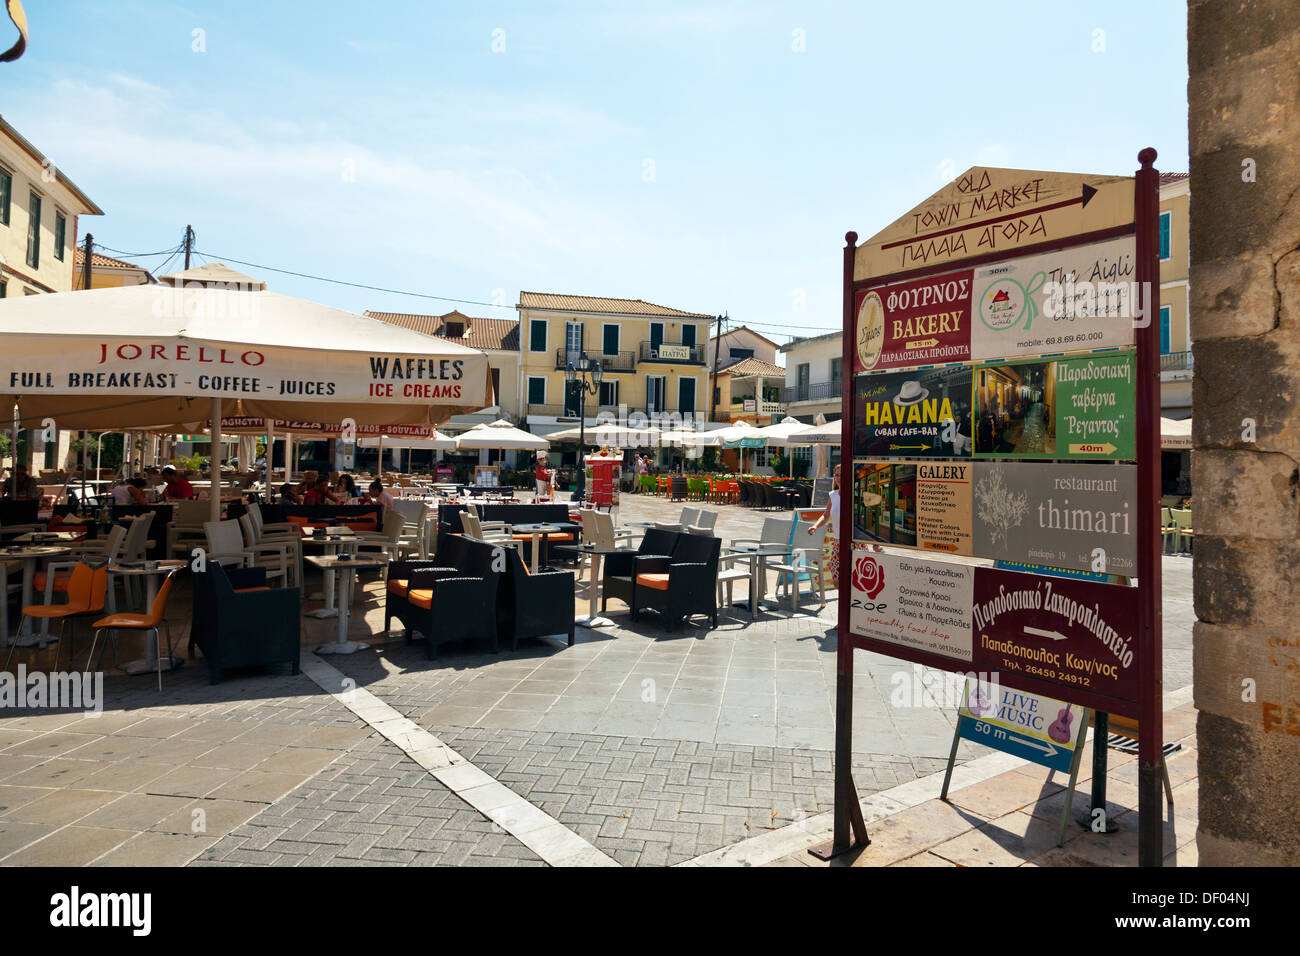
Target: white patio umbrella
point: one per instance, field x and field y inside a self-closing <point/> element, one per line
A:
<point x="438" y="442"/>
<point x="1175" y="434"/>
<point x="157" y="355"/>
<point x="499" y="434"/>
<point x="609" y="434"/>
<point x="785" y="433"/>
<point x="827" y="433"/>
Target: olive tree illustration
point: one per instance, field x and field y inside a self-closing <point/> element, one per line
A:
<point x="1000" y="508"/>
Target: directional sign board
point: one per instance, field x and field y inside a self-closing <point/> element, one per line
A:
<point x="1034" y="728"/>
<point x="996" y="213"/>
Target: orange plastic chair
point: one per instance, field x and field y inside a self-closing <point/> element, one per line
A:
<point x="153" y="621"/>
<point x="86" y="588"/>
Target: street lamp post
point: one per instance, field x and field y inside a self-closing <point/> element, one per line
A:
<point x="578" y="375"/>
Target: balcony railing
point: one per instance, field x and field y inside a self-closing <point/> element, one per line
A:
<point x="1176" y="362"/>
<point x="618" y="362"/>
<point x="677" y="354"/>
<point x="759" y="408"/>
<point x="818" y="392"/>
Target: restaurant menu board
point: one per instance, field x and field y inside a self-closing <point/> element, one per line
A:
<point x="918" y="414"/>
<point x="1068" y="300"/>
<point x="1072" y="634"/>
<point x="911" y="602"/>
<point x="1073" y="516"/>
<point x="1057" y="408"/>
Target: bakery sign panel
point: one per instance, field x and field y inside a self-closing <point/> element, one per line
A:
<point x="1073" y="299"/>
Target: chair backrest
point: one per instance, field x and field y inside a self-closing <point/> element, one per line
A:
<point x="113" y="544"/>
<point x="1182" y="517"/>
<point x="191" y="513"/>
<point x="255" y="517"/>
<point x="688" y="516"/>
<point x="698" y="549"/>
<point x="159" y="609"/>
<point x="602" y="525"/>
<point x="137" y="536"/>
<point x="411" y="509"/>
<point x="224" y="537"/>
<point x="587" y="520"/>
<point x="248" y="528"/>
<point x="80" y="585"/>
<point x="394" y="525"/>
<point x="658" y="541"/>
<point x="776" y="531"/>
<point x="469" y="524"/>
<point x="802" y="539"/>
<point x="706" y="520"/>
<point x="98" y="588"/>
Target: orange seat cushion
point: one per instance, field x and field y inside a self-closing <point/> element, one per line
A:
<point x="61" y="579"/>
<point x="360" y="525"/>
<point x="420" y="597"/>
<point x="52" y="611"/>
<point x="656" y="580"/>
<point x="260" y="587"/>
<point x="399" y="586"/>
<point x="548" y="537"/>
<point x="125" y="620"/>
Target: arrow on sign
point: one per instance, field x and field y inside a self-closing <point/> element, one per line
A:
<point x="922" y="344"/>
<point x="909" y="447"/>
<point x="1050" y="635"/>
<point x="1036" y="744"/>
<point x="1090" y="449"/>
<point x="1084" y="197"/>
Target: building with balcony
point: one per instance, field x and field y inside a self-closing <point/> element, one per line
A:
<point x="653" y="358"/>
<point x="749" y="390"/>
<point x="106" y="272"/>
<point x="813" y="377"/>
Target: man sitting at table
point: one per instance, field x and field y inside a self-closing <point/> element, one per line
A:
<point x="177" y="487"/>
<point x="320" y="494"/>
<point x="27" y="487"/>
<point x="288" y="495"/>
<point x="130" y="492"/>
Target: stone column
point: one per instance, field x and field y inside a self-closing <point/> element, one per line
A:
<point x="1244" y="107"/>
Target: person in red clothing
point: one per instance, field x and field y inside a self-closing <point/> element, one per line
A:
<point x="177" y="487"/>
<point x="320" y="494"/>
<point x="543" y="476"/>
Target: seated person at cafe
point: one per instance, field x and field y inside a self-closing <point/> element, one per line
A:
<point x="130" y="492"/>
<point x="307" y="484"/>
<point x="177" y="487"/>
<point x="320" y="493"/>
<point x="288" y="495"/>
<point x="347" y="489"/>
<point x="27" y="487"/>
<point x="379" y="495"/>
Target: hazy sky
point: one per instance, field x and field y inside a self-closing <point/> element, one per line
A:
<point x="705" y="156"/>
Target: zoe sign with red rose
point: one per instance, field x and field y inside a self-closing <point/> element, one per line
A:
<point x="917" y="604"/>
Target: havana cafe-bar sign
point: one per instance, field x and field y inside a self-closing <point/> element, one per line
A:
<point x="1002" y="424"/>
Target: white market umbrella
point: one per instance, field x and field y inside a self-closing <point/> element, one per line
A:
<point x="1175" y="434"/>
<point x="784" y="433"/>
<point x="438" y="442"/>
<point x="157" y="354"/>
<point x="609" y="434"/>
<point x="499" y="434"/>
<point x="827" y="433"/>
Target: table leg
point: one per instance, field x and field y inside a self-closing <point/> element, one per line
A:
<point x="591" y="619"/>
<point x="536" y="549"/>
<point x="343" y="645"/>
<point x="330" y="609"/>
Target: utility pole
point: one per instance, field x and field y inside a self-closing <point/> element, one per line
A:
<point x="189" y="244"/>
<point x="713" y="379"/>
<point x="85" y="261"/>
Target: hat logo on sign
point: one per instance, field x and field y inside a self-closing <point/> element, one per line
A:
<point x="868" y="576"/>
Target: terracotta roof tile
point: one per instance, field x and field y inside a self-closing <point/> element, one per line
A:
<point x="99" y="260"/>
<point x="1168" y="179"/>
<point x="480" y="333"/>
<point x="751" y="366"/>
<point x="596" y="303"/>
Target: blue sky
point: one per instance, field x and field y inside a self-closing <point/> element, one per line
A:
<point x="687" y="154"/>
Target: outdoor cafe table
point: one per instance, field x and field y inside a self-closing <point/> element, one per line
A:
<point x="757" y="556"/>
<point x="348" y="566"/>
<point x="590" y="619"/>
<point x="539" y="531"/>
<point x="49" y="537"/>
<point x="333" y="540"/>
<point x="29" y="555"/>
<point x="150" y="571"/>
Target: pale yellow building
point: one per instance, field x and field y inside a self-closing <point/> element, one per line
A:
<point x="39" y="212"/>
<point x="653" y="358"/>
<point x="1175" y="297"/>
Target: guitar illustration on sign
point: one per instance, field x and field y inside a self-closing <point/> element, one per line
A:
<point x="1060" y="729"/>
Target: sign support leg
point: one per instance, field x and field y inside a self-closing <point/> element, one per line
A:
<point x="1074" y="776"/>
<point x="1100" y="768"/>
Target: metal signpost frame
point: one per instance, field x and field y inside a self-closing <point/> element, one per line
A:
<point x="1110" y="223"/>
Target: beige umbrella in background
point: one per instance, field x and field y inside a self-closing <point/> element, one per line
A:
<point x="157" y="355"/>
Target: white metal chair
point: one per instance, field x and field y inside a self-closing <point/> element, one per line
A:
<point x="278" y="557"/>
<point x="805" y="564"/>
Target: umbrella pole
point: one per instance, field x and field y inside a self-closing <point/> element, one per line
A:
<point x="214" y="493"/>
<point x="13" y="471"/>
<point x="269" y="425"/>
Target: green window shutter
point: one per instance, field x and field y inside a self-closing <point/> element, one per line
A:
<point x="6" y="192"/>
<point x="34" y="232"/>
<point x="60" y="234"/>
<point x="537" y="335"/>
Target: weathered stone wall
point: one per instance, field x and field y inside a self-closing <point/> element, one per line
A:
<point x="1244" y="105"/>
